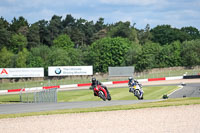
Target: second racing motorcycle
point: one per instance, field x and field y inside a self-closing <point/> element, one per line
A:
<point x="137" y="91"/>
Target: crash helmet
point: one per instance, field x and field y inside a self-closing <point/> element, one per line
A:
<point x="93" y="79"/>
<point x="130" y="79"/>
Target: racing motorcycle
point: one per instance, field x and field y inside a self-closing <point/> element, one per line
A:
<point x="137" y="91"/>
<point x="102" y="93"/>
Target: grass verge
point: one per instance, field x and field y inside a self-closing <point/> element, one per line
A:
<point x="155" y="92"/>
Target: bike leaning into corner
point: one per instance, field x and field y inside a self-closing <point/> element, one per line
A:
<point x="100" y="90"/>
<point x="135" y="88"/>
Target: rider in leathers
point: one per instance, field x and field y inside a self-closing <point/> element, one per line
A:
<point x="95" y="83"/>
<point x="133" y="82"/>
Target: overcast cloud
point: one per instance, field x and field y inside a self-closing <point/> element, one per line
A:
<point x="177" y="13"/>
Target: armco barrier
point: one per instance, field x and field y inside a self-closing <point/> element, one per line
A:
<point x="16" y="90"/>
<point x="156" y="79"/>
<point x="174" y="78"/>
<point x="50" y="87"/>
<point x="191" y="76"/>
<point x="89" y="84"/>
<point x="86" y="84"/>
<point x="120" y="82"/>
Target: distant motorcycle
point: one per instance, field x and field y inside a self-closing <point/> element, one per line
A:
<point x="101" y="92"/>
<point x="136" y="90"/>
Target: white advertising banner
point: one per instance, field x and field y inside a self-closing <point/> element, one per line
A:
<point x="21" y="72"/>
<point x="70" y="70"/>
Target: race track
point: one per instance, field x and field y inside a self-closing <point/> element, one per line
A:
<point x="37" y="107"/>
<point x="190" y="90"/>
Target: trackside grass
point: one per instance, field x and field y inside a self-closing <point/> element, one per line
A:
<point x="87" y="95"/>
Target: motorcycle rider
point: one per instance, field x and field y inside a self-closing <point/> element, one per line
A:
<point x="95" y="83"/>
<point x="133" y="82"/>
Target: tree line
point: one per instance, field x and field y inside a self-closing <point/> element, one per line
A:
<point x="72" y="42"/>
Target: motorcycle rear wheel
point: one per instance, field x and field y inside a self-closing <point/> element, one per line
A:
<point x="109" y="97"/>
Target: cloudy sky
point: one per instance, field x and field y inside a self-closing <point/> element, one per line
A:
<point x="177" y="13"/>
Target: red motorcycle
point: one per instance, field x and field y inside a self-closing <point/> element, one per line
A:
<point x="102" y="93"/>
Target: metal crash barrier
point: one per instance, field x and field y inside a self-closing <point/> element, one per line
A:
<point x="191" y="76"/>
<point x="46" y="95"/>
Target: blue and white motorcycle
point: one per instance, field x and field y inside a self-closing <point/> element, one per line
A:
<point x="136" y="89"/>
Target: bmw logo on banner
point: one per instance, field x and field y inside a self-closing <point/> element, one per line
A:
<point x="58" y="71"/>
<point x="70" y="70"/>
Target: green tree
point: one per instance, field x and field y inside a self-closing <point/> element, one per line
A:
<point x="4" y="38"/>
<point x="4" y="33"/>
<point x="108" y="52"/>
<point x="66" y="46"/>
<point x="18" y="25"/>
<point x="59" y="57"/>
<point x="100" y="34"/>
<point x="35" y="61"/>
<point x="21" y="60"/>
<point x="165" y="34"/>
<point x="44" y="32"/>
<point x="77" y="36"/>
<point x="149" y="57"/>
<point x="99" y="30"/>
<point x="76" y="56"/>
<point x="4" y="23"/>
<point x="84" y="54"/>
<point x="170" y="55"/>
<point x="5" y="58"/>
<point x="40" y="57"/>
<point x="133" y="53"/>
<point x="85" y="29"/>
<point x="144" y="35"/>
<point x="55" y="27"/>
<point x="124" y="30"/>
<point x="69" y="21"/>
<point x="192" y="32"/>
<point x="18" y="42"/>
<point x="33" y="36"/>
<point x="190" y="53"/>
<point x="89" y="30"/>
<point x="63" y="41"/>
<point x="99" y="25"/>
<point x="73" y="30"/>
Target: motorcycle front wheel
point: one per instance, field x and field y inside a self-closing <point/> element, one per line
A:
<point x="102" y="95"/>
<point x="137" y="94"/>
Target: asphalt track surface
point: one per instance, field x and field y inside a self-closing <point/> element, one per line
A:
<point x="189" y="90"/>
<point x="37" y="107"/>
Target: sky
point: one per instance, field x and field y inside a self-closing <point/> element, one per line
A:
<point x="177" y="13"/>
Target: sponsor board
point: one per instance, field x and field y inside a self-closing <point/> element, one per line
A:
<point x="21" y="72"/>
<point x="70" y="70"/>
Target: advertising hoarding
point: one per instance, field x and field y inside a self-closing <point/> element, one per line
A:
<point x="70" y="70"/>
<point x="21" y="72"/>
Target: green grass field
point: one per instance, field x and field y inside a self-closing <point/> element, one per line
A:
<point x="116" y="93"/>
<point x="87" y="95"/>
